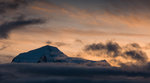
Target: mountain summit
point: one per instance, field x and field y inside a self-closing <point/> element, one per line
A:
<point x="43" y="54"/>
<point x="50" y="54"/>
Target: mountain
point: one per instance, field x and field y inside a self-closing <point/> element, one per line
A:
<point x="44" y="54"/>
<point x="50" y="54"/>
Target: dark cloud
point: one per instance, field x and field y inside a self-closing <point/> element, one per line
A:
<point x="94" y="46"/>
<point x="4" y="6"/>
<point x="65" y="73"/>
<point x="17" y="20"/>
<point x="7" y="27"/>
<point x="113" y="49"/>
<point x="134" y="67"/>
<point x="48" y="42"/>
<point x="137" y="55"/>
<point x="7" y="5"/>
<point x="135" y="45"/>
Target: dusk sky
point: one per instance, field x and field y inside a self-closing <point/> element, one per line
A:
<point x="74" y="41"/>
<point x="71" y="25"/>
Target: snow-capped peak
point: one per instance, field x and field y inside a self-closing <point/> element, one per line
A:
<point x="50" y="54"/>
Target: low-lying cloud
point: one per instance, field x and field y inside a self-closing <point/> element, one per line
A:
<point x="65" y="73"/>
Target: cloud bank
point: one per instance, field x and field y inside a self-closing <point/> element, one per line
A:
<point x="65" y="73"/>
<point x="113" y="50"/>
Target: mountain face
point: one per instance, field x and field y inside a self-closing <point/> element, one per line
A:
<point x="50" y="54"/>
<point x="43" y="54"/>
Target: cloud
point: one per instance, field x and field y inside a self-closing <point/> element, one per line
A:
<point x="17" y="19"/>
<point x="113" y="50"/>
<point x="94" y="46"/>
<point x="4" y="6"/>
<point x="108" y="13"/>
<point x="87" y="17"/>
<point x="48" y="42"/>
<point x="7" y="27"/>
<point x="65" y="73"/>
<point x="133" y="45"/>
<point x="79" y="41"/>
<point x="7" y="5"/>
<point x="117" y="7"/>
<point x="60" y="43"/>
<point x="137" y="55"/>
<point x="93" y="32"/>
<point x="127" y="7"/>
<point x="113" y="47"/>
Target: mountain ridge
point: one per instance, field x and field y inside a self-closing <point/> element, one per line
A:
<point x="51" y="54"/>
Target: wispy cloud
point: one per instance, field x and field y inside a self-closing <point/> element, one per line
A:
<point x="100" y="33"/>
